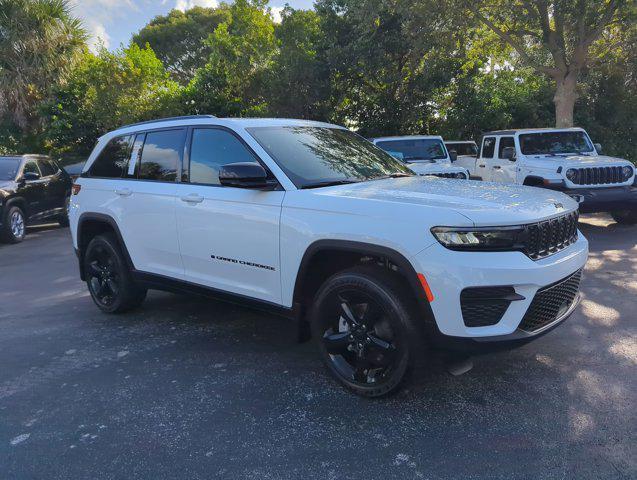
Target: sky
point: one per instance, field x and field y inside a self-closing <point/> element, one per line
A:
<point x="113" y="22"/>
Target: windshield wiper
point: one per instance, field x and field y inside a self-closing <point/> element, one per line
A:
<point x="394" y="175"/>
<point x="328" y="183"/>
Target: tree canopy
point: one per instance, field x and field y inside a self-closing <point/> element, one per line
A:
<point x="381" y="67"/>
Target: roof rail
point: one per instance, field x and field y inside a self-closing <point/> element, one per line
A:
<point x="166" y="119"/>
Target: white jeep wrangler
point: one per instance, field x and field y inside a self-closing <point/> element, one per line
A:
<point x="559" y="159"/>
<point x="312" y="221"/>
<point x="424" y="154"/>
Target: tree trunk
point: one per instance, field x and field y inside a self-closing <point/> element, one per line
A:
<point x="564" y="99"/>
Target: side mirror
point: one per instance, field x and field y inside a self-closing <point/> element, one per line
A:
<point x="30" y="176"/>
<point x="453" y="155"/>
<point x="509" y="153"/>
<point x="598" y="147"/>
<point x="244" y="175"/>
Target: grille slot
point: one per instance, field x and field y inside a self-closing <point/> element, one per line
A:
<point x="550" y="236"/>
<point x="484" y="306"/>
<point x="598" y="175"/>
<point x="551" y="302"/>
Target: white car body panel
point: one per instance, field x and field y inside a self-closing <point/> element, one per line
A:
<point x="168" y="235"/>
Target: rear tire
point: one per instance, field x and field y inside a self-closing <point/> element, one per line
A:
<point x="363" y="327"/>
<point x="625" y="217"/>
<point x="108" y="277"/>
<point x="13" y="225"/>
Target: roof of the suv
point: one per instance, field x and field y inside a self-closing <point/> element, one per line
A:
<point x="212" y="120"/>
<point x="407" y="137"/>
<point x="532" y="130"/>
<point x="459" y="141"/>
<point x="25" y="155"/>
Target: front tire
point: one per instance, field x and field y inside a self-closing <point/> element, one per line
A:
<point x="13" y="225"/>
<point x="625" y="217"/>
<point x="108" y="278"/>
<point x="363" y="328"/>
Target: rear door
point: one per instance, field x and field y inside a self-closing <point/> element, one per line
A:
<point x="485" y="161"/>
<point x="229" y="237"/>
<point x="146" y="201"/>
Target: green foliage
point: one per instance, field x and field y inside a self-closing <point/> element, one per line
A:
<point x="104" y="92"/>
<point x="241" y="51"/>
<point x="299" y="77"/>
<point x="178" y="38"/>
<point x="39" y="43"/>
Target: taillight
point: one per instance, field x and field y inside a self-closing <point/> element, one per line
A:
<point x="75" y="189"/>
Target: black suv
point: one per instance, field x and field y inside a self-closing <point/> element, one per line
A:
<point x="33" y="188"/>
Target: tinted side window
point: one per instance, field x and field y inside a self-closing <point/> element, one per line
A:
<point x="46" y="168"/>
<point x="505" y="142"/>
<point x="113" y="160"/>
<point x="488" y="147"/>
<point x="31" y="167"/>
<point x="161" y="155"/>
<point x="212" y="148"/>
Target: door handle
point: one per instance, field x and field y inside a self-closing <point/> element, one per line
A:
<point x="481" y="166"/>
<point x="192" y="198"/>
<point x="123" y="192"/>
<point x="497" y="167"/>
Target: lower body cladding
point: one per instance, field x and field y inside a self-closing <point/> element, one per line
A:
<point x="493" y="300"/>
<point x="604" y="199"/>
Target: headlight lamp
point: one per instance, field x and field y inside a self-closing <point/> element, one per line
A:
<point x="485" y="239"/>
<point x="627" y="172"/>
<point x="571" y="174"/>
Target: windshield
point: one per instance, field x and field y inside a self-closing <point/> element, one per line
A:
<point x="553" y="143"/>
<point x="469" y="149"/>
<point x="414" y="150"/>
<point x="318" y="156"/>
<point x="9" y="168"/>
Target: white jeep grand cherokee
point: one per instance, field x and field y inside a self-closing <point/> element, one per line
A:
<point x="310" y="220"/>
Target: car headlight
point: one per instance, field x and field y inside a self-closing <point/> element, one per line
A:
<point x="484" y="239"/>
<point x="571" y="174"/>
<point x="627" y="172"/>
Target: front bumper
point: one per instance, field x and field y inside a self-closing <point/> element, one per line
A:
<point x="450" y="272"/>
<point x="604" y="199"/>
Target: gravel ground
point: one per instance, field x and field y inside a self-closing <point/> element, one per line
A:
<point x="192" y="388"/>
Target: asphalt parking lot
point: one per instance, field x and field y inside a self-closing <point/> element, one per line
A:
<point x="192" y="388"/>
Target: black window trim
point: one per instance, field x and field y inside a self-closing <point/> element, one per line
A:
<point x="185" y="159"/>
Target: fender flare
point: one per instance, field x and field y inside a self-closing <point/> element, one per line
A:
<point x="105" y="219"/>
<point x="22" y="203"/>
<point x="536" y="180"/>
<point x="363" y="248"/>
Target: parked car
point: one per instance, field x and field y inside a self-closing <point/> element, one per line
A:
<point x="563" y="159"/>
<point x="74" y="169"/>
<point x="313" y="222"/>
<point x="33" y="188"/>
<point x="424" y="154"/>
<point x="462" y="148"/>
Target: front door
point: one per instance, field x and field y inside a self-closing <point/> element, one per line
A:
<point x="229" y="237"/>
<point x="503" y="169"/>
<point x="34" y="191"/>
<point x="485" y="160"/>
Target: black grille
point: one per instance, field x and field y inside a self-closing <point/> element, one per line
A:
<point x="448" y="175"/>
<point x="551" y="302"/>
<point x="598" y="175"/>
<point x="550" y="236"/>
<point x="483" y="306"/>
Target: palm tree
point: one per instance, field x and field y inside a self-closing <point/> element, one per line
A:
<point x="39" y="43"/>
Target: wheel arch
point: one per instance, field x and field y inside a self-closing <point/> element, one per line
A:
<point x="18" y="201"/>
<point x="323" y="258"/>
<point x="91" y="224"/>
<point x="533" y="181"/>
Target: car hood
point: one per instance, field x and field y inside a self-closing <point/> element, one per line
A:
<point x="483" y="203"/>
<point x="574" y="161"/>
<point x="431" y="168"/>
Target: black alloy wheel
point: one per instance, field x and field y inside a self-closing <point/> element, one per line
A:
<point x="108" y="277"/>
<point x="363" y="331"/>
